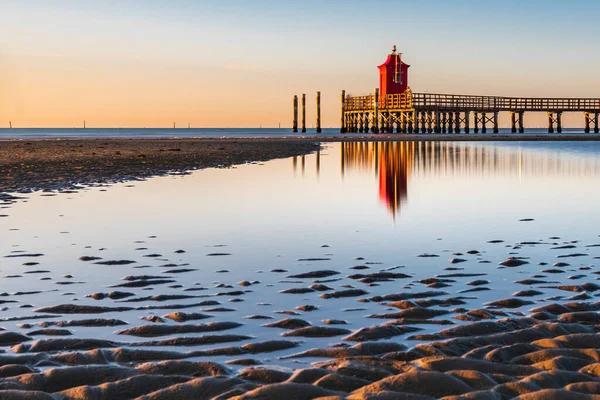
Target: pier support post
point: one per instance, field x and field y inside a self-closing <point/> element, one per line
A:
<point x="343" y="118"/>
<point x="521" y="122"/>
<point x="318" y="112"/>
<point x="438" y="128"/>
<point x="550" y="122"/>
<point x="483" y="121"/>
<point x="596" y="130"/>
<point x="360" y="122"/>
<point x="423" y="122"/>
<point x="559" y="122"/>
<point x="295" y="123"/>
<point x="366" y="122"/>
<point x="403" y="118"/>
<point x="450" y="122"/>
<point x="375" y="128"/>
<point x="467" y="121"/>
<point x="513" y="122"/>
<point x="429" y="122"/>
<point x="410" y="125"/>
<point x="476" y="122"/>
<point x="444" y="119"/>
<point x="457" y="122"/>
<point x="496" y="122"/>
<point x="303" y="112"/>
<point x="587" y="122"/>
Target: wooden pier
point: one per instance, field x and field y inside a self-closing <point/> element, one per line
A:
<point x="393" y="107"/>
<point x="448" y="113"/>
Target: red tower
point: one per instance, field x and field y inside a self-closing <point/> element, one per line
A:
<point x="393" y="75"/>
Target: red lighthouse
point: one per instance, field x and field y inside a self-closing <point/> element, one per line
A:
<point x="393" y="75"/>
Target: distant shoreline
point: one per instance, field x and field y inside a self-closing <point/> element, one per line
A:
<point x="51" y="164"/>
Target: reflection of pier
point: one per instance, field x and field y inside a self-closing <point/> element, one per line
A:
<point x="395" y="162"/>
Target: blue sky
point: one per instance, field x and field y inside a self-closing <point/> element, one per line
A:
<point x="188" y="54"/>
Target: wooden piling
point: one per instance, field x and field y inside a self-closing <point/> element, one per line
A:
<point x="457" y="122"/>
<point x="409" y="125"/>
<point x="521" y="122"/>
<point x="476" y="122"/>
<point x="559" y="122"/>
<point x="550" y="122"/>
<point x="343" y="120"/>
<point x="467" y="116"/>
<point x="483" y="122"/>
<point x="513" y="122"/>
<point x="318" y="112"/>
<point x="587" y="122"/>
<point x="496" y="122"/>
<point x="450" y="122"/>
<point x="429" y="122"/>
<point x="10" y="124"/>
<point x="303" y="112"/>
<point x="295" y="122"/>
<point x="438" y="128"/>
<point x="596" y="128"/>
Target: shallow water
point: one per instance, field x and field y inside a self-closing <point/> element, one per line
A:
<point x="385" y="202"/>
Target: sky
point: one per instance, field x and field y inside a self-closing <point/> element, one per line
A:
<point x="236" y="63"/>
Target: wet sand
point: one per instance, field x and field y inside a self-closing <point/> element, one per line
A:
<point x="154" y="333"/>
<point x="61" y="164"/>
<point x="532" y="345"/>
<point x="28" y="165"/>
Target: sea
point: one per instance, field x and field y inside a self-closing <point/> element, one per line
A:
<point x="80" y="133"/>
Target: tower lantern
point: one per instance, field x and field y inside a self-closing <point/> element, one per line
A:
<point x="393" y="74"/>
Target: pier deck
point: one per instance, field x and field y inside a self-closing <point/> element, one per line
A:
<point x="448" y="113"/>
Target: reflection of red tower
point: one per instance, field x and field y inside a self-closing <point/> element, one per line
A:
<point x="395" y="161"/>
<point x="393" y="75"/>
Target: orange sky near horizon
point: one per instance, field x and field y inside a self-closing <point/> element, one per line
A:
<point x="152" y="66"/>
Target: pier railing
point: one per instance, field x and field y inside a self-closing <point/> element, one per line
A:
<point x="498" y="103"/>
<point x="401" y="101"/>
<point x="434" y="101"/>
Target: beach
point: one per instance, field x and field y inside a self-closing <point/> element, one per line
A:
<point x="99" y="305"/>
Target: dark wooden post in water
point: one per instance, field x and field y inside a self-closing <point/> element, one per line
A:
<point x="476" y="122"/>
<point x="429" y="117"/>
<point x="513" y="122"/>
<point x="483" y="121"/>
<point x="375" y="124"/>
<point x="521" y="122"/>
<point x="559" y="122"/>
<point x="450" y="122"/>
<point x="318" y="112"/>
<point x="343" y="121"/>
<point x="303" y="112"/>
<point x="596" y="130"/>
<point x="550" y="122"/>
<point x="295" y="123"/>
<point x="457" y="122"/>
<point x="467" y="121"/>
<point x="438" y="128"/>
<point x="587" y="122"/>
<point x="496" y="122"/>
<point x="10" y="124"/>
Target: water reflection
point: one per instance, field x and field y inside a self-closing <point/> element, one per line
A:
<point x="395" y="163"/>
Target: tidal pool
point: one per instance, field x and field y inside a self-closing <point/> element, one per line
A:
<point x="378" y="206"/>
